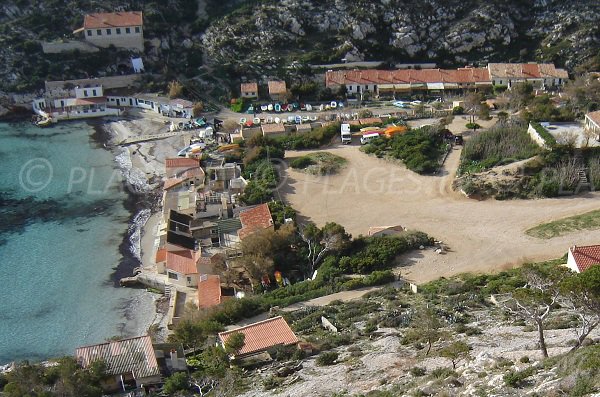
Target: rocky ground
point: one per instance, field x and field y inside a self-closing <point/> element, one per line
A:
<point x="381" y="361"/>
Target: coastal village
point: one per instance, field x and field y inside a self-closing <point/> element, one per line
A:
<point x="192" y="247"/>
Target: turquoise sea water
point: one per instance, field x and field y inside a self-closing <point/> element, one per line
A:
<point x="62" y="219"/>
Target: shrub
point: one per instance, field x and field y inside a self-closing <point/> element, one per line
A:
<point x="524" y="359"/>
<point x="495" y="146"/>
<point x="272" y="382"/>
<point x="548" y="137"/>
<point x="517" y="378"/>
<point x="443" y="373"/>
<point x="301" y="162"/>
<point x="418" y="371"/>
<point x="458" y="110"/>
<point x="327" y="358"/>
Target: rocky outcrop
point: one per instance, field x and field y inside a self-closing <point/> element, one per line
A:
<point x="450" y="32"/>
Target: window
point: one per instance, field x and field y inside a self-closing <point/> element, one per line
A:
<point x="127" y="30"/>
<point x="118" y="30"/>
<point x="85" y="93"/>
<point x="99" y="32"/>
<point x="89" y="32"/>
<point x="108" y="32"/>
<point x="137" y="29"/>
<point x="93" y="92"/>
<point x="172" y="276"/>
<point x="189" y="280"/>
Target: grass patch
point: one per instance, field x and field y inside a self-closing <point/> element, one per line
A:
<point x="319" y="163"/>
<point x="587" y="221"/>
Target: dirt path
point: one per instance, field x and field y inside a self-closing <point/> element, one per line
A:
<point x="481" y="235"/>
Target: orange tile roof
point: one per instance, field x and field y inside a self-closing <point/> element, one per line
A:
<point x="248" y="87"/>
<point x="90" y="101"/>
<point x="113" y="19"/>
<point x="263" y="335"/>
<point x="161" y="255"/>
<point x="254" y="219"/>
<point x="209" y="291"/>
<point x="183" y="261"/>
<point x="586" y="256"/>
<point x="595" y="117"/>
<point x="181" y="162"/>
<point x="277" y="87"/>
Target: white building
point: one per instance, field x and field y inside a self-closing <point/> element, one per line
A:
<point x="582" y="258"/>
<point x="88" y="102"/>
<point x="121" y="29"/>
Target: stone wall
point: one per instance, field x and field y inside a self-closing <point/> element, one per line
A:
<point x="65" y="46"/>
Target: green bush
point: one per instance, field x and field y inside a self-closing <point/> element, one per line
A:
<point x="443" y="373"/>
<point x="418" y="371"/>
<point x="524" y="359"/>
<point x="546" y="136"/>
<point x="495" y="146"/>
<point x="327" y="358"/>
<point x="458" y="110"/>
<point x="517" y="378"/>
<point x="373" y="253"/>
<point x="301" y="162"/>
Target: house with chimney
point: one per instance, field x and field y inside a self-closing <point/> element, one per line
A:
<point x="120" y="29"/>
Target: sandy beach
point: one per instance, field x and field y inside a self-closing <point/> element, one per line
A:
<point x="143" y="167"/>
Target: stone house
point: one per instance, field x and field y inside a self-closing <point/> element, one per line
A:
<point x="249" y="90"/>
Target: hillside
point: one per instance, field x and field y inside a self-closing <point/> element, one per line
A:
<point x="189" y="38"/>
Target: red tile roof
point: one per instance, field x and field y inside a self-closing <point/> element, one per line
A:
<point x="209" y="291"/>
<point x="249" y="87"/>
<point x="254" y="219"/>
<point x="263" y="335"/>
<point x="161" y="255"/>
<point x="370" y="120"/>
<point x="526" y="71"/>
<point x="407" y="76"/>
<point x="113" y="20"/>
<point x="595" y="117"/>
<point x="181" y="162"/>
<point x="586" y="256"/>
<point x="183" y="261"/>
<point x="172" y="182"/>
<point x="277" y="87"/>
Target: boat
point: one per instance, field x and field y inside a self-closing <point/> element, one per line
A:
<point x="333" y="104"/>
<point x="243" y="120"/>
<point x="305" y="118"/>
<point x="298" y="120"/>
<point x="277" y="107"/>
<point x="308" y="107"/>
<point x="250" y="110"/>
<point x="313" y="118"/>
<point x="264" y="108"/>
<point x="277" y="120"/>
<point x="269" y="120"/>
<point x="340" y="104"/>
<point x="290" y="107"/>
<point x="320" y="108"/>
<point x="327" y="107"/>
<point x="44" y="122"/>
<point x="290" y="119"/>
<point x="256" y="120"/>
<point x="302" y="107"/>
<point x="193" y="148"/>
<point x="270" y="107"/>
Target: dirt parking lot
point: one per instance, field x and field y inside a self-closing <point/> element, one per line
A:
<point x="481" y="235"/>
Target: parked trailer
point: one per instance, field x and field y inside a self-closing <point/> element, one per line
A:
<point x="346" y="134"/>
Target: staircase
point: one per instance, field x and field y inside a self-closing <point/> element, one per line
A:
<point x="583" y="180"/>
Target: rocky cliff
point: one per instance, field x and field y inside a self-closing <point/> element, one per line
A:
<point x="221" y="41"/>
<point x="450" y="32"/>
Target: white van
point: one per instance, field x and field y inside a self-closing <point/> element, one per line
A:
<point x="368" y="138"/>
